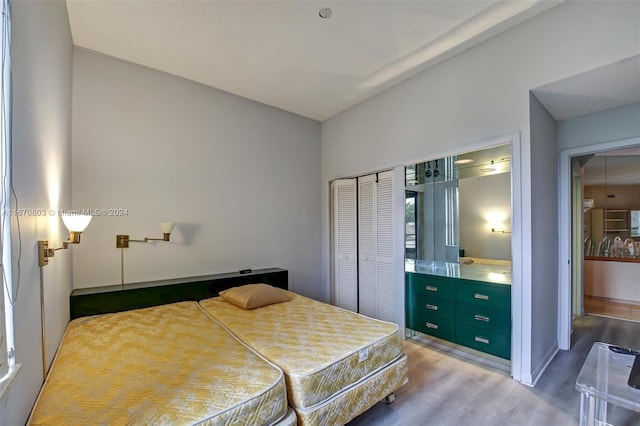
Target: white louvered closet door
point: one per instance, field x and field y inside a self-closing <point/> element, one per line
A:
<point x="344" y="248"/>
<point x="368" y="293"/>
<point x="375" y="242"/>
<point x="385" y="294"/>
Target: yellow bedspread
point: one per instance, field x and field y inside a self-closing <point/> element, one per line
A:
<point x="169" y="364"/>
<point x="322" y="349"/>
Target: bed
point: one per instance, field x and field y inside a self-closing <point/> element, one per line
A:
<point x="170" y="364"/>
<point x="363" y="365"/>
<point x="337" y="363"/>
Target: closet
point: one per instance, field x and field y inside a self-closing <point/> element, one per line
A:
<point x="362" y="245"/>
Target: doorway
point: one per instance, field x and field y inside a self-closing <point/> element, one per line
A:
<point x="572" y="243"/>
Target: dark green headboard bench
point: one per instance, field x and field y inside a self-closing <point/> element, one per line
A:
<point x="116" y="298"/>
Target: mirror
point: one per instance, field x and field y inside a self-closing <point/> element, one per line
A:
<point x="458" y="208"/>
<point x="612" y="203"/>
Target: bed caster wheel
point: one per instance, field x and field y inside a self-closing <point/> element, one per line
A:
<point x="390" y="398"/>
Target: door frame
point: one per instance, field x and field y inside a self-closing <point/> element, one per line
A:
<point x="564" y="230"/>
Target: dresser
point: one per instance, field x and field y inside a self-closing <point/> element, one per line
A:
<point x="465" y="307"/>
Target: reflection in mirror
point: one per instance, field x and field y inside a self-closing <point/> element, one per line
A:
<point x="609" y="185"/>
<point x="458" y="209"/>
<point x="612" y="203"/>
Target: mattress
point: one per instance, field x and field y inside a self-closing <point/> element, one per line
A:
<point x="358" y="398"/>
<point x="322" y="349"/>
<point x="167" y="364"/>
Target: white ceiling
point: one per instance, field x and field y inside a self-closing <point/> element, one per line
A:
<point x="596" y="90"/>
<point x="603" y="88"/>
<point x="282" y="53"/>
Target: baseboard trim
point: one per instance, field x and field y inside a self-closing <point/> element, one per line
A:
<point x="537" y="373"/>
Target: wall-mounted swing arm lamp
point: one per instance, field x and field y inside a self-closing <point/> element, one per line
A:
<point x="500" y="231"/>
<point x="122" y="241"/>
<point x="75" y="223"/>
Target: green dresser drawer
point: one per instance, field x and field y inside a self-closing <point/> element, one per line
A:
<point x="435" y="326"/>
<point x="487" y="341"/>
<point x="482" y="294"/>
<point x="435" y="306"/>
<point x="482" y="317"/>
<point x="431" y="285"/>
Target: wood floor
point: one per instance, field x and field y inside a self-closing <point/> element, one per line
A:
<point x="446" y="389"/>
<point x="611" y="308"/>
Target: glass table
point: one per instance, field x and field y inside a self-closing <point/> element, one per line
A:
<point x="603" y="379"/>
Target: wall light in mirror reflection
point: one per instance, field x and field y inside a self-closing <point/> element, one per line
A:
<point x="496" y="221"/>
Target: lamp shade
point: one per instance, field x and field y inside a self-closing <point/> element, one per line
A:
<point x="167" y="227"/>
<point x="76" y="222"/>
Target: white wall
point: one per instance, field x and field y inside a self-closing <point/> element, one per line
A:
<point x="605" y="126"/>
<point x="544" y="237"/>
<point x="480" y="197"/>
<point x="480" y="94"/>
<point x="41" y="67"/>
<point x="240" y="179"/>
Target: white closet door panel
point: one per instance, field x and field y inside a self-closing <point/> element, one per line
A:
<point x="384" y="216"/>
<point x="346" y="218"/>
<point x="385" y="300"/>
<point x="367" y="295"/>
<point x="344" y="243"/>
<point x="346" y="288"/>
<point x="366" y="216"/>
<point x="367" y="291"/>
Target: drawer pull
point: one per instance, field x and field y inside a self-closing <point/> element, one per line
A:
<point x="431" y="288"/>
<point x="481" y="296"/>
<point x="432" y="307"/>
<point x="482" y="340"/>
<point x="481" y="318"/>
<point x="431" y="325"/>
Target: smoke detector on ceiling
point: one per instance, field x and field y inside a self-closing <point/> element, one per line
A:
<point x="325" y="13"/>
